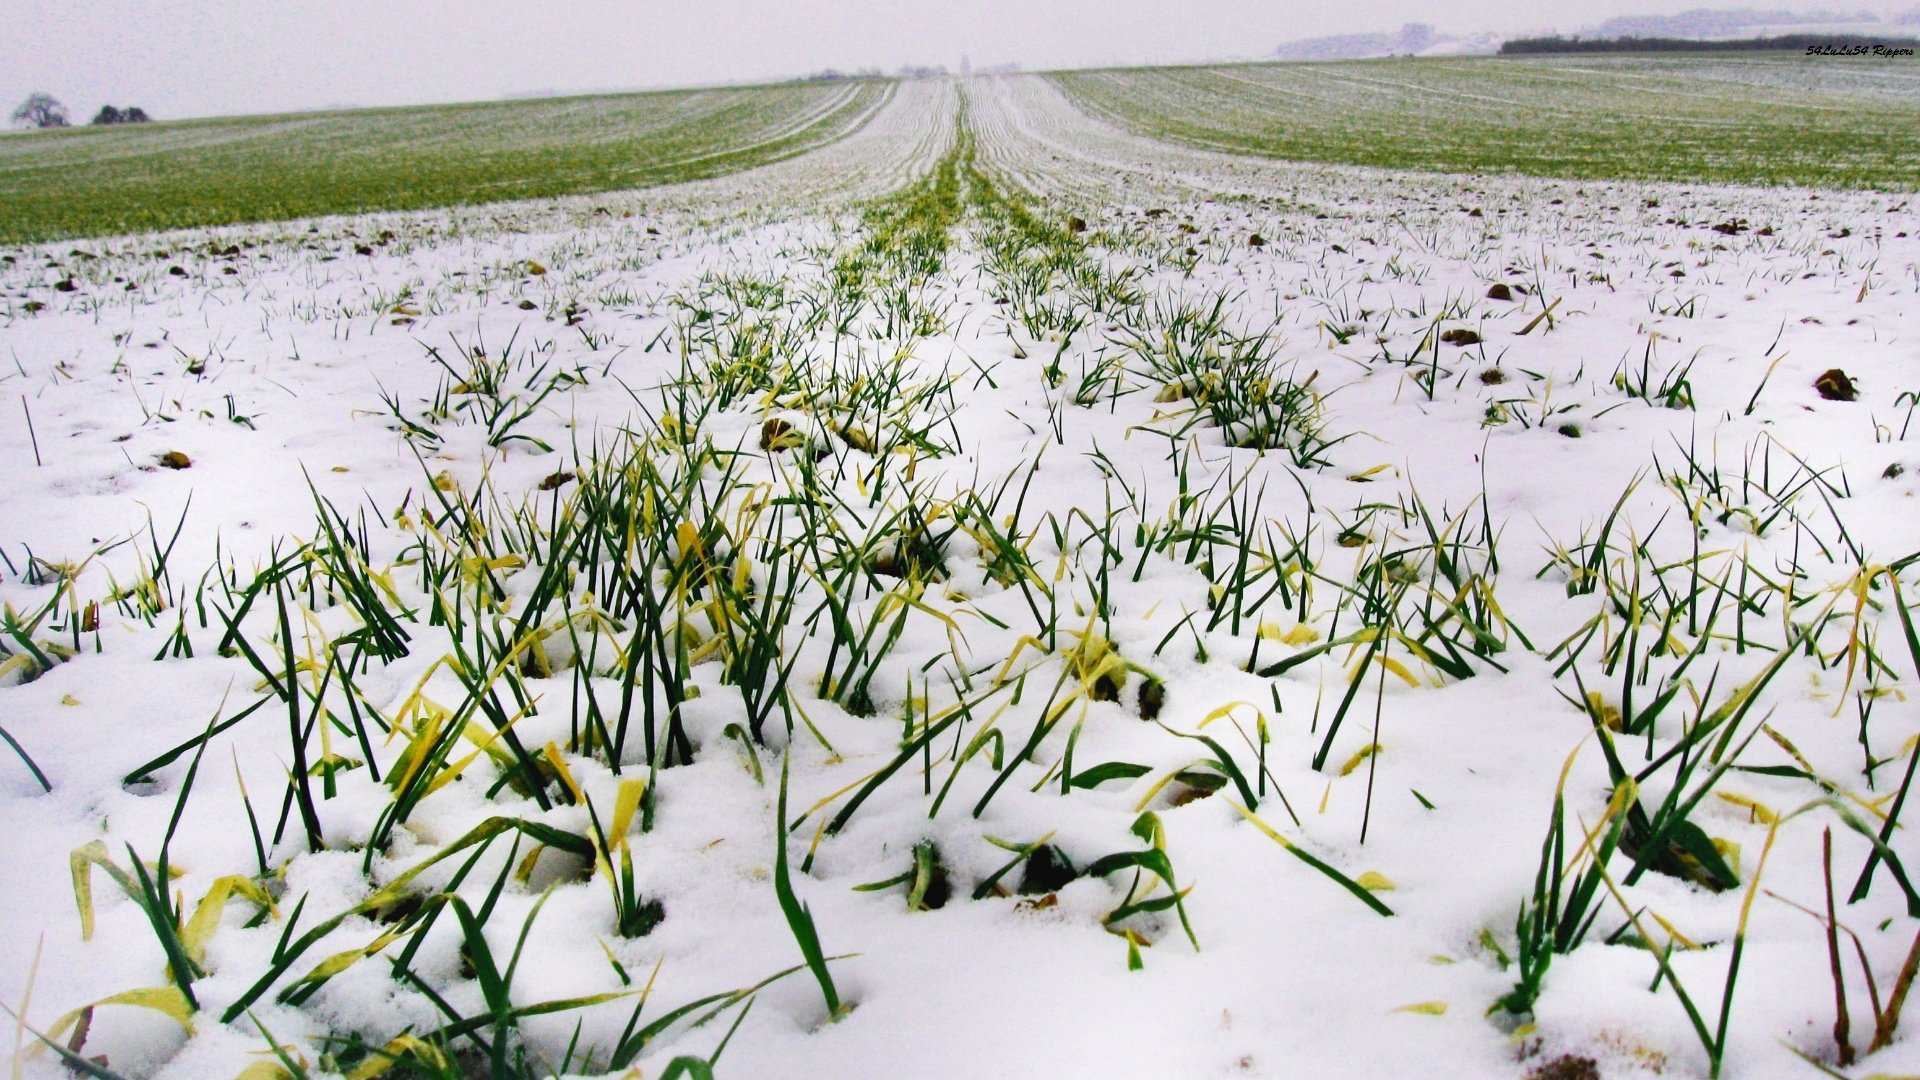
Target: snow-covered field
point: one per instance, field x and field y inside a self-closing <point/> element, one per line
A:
<point x="995" y="596"/>
<point x="1774" y="118"/>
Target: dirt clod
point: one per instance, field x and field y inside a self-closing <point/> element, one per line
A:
<point x="773" y="434"/>
<point x="1153" y="698"/>
<point x="1834" y="385"/>
<point x="1047" y="870"/>
<point x="1566" y="1067"/>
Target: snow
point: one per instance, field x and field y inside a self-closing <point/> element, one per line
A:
<point x="1293" y="975"/>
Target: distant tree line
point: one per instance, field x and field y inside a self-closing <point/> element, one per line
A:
<point x="836" y="75"/>
<point x="42" y="110"/>
<point x="132" y="114"/>
<point x="907" y="71"/>
<point x="1782" y="42"/>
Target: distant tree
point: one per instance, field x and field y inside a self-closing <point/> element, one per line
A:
<point x="40" y="111"/>
<point x="132" y="114"/>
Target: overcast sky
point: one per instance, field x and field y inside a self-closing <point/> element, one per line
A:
<point x="178" y="58"/>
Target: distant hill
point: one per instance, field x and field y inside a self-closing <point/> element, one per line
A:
<point x="1830" y="43"/>
<point x="1739" y="22"/>
<point x="1702" y="24"/>
<point x="1740" y="29"/>
<point x="1413" y="39"/>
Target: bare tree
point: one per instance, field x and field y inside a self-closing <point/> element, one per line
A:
<point x="40" y="111"/>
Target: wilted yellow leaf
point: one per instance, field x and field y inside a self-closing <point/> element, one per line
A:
<point x="689" y="538"/>
<point x="1297" y="635"/>
<point x="167" y="1000"/>
<point x="1756" y="810"/>
<point x="1397" y="668"/>
<point x="1359" y="757"/>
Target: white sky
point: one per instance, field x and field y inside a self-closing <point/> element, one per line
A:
<point x="178" y="58"/>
